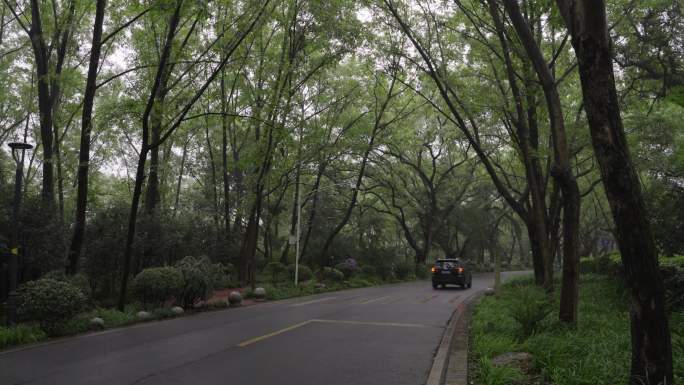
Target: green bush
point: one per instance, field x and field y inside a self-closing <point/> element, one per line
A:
<point x="157" y="284"/>
<point x="673" y="280"/>
<point x="405" y="270"/>
<point x="529" y="308"/>
<point x="349" y="267"/>
<point x="368" y="271"/>
<point x="422" y="272"/>
<point x="562" y="355"/>
<point x="78" y="280"/>
<point x="20" y="334"/>
<point x="196" y="279"/>
<point x="49" y="301"/>
<point x="305" y="272"/>
<point x="276" y="270"/>
<point x="497" y="375"/>
<point x="221" y="276"/>
<point x="677" y="330"/>
<point x="330" y="274"/>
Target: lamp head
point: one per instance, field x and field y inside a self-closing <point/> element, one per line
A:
<point x="20" y="146"/>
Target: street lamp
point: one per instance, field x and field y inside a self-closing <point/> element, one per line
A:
<point x="14" y="237"/>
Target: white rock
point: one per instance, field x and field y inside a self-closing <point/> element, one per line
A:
<point x="177" y="310"/>
<point x="143" y="315"/>
<point x="489" y="291"/>
<point x="235" y="298"/>
<point x="96" y="323"/>
<point x="260" y="294"/>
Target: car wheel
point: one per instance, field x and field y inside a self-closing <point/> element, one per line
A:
<point x="435" y="286"/>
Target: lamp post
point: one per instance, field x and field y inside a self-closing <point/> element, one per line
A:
<point x="14" y="236"/>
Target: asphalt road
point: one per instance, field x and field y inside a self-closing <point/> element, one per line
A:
<point x="379" y="335"/>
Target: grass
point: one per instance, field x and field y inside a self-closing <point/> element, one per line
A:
<point x="20" y="334"/>
<point x="596" y="352"/>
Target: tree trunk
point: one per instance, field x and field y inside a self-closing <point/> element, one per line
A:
<point x="561" y="168"/>
<point x="651" y="343"/>
<point x="84" y="150"/>
<point x="40" y="53"/>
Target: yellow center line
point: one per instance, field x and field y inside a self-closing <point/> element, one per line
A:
<point x="275" y="333"/>
<point x="330" y="321"/>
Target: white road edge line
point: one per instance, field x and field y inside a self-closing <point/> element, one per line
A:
<point x="313" y="301"/>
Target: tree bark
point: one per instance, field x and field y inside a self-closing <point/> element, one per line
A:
<point x="561" y="168"/>
<point x="41" y="56"/>
<point x="84" y="149"/>
<point x="651" y="343"/>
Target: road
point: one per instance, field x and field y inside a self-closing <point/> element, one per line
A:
<point x="379" y="335"/>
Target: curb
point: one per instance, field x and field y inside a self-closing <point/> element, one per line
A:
<point x="450" y="365"/>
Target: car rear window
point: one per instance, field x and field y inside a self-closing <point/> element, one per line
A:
<point x="447" y="264"/>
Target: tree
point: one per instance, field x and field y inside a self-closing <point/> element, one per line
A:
<point x="651" y="344"/>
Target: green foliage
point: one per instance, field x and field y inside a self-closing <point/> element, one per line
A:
<point x="330" y="274"/>
<point x="405" y="270"/>
<point x="20" y="334"/>
<point x="564" y="356"/>
<point x="422" y="272"/>
<point x="305" y="272"/>
<point x="677" y="330"/>
<point x="489" y="374"/>
<point x="367" y="271"/>
<point x="276" y="270"/>
<point x="529" y="308"/>
<point x="49" y="301"/>
<point x="78" y="280"/>
<point x="221" y="276"/>
<point x="196" y="273"/>
<point x="347" y="269"/>
<point x="155" y="285"/>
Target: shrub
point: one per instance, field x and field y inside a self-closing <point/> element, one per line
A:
<point x="157" y="284"/>
<point x="49" y="301"/>
<point x="305" y="272"/>
<point x="349" y="267"/>
<point x="221" y="276"/>
<point x="368" y="271"/>
<point x="20" y="334"/>
<point x="498" y="375"/>
<point x="529" y="308"/>
<point x="673" y="279"/>
<point x="276" y="270"/>
<point x="196" y="279"/>
<point x="330" y="274"/>
<point x="78" y="280"/>
<point x="405" y="270"/>
<point x="422" y="272"/>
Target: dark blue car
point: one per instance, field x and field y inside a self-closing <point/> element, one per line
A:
<point x="451" y="271"/>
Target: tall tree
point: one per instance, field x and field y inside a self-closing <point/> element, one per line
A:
<point x="651" y="344"/>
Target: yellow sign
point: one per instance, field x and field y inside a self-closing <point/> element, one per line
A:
<point x="15" y="251"/>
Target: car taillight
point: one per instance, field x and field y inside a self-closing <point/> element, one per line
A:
<point x="434" y="269"/>
<point x="460" y="270"/>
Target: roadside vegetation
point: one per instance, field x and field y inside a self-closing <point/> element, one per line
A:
<point x="521" y="318"/>
<point x="60" y="305"/>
